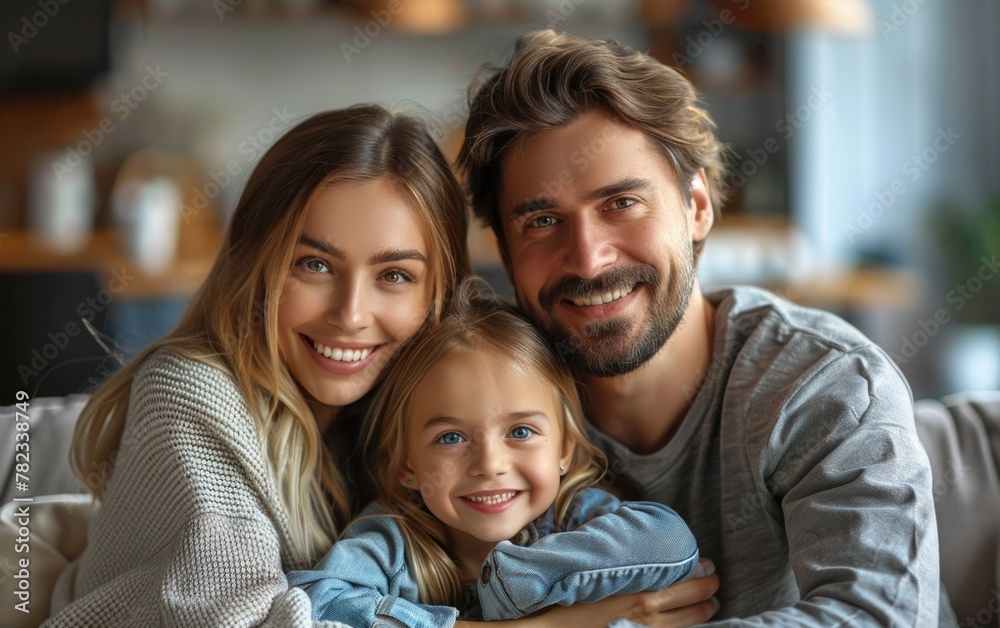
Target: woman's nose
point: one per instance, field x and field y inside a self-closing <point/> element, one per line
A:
<point x="351" y="307"/>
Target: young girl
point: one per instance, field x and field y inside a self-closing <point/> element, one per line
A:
<point x="216" y="452"/>
<point x="480" y="465"/>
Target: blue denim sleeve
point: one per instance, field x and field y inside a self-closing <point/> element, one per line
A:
<point x="364" y="580"/>
<point x="637" y="546"/>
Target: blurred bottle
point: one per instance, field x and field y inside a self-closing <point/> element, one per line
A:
<point x="61" y="202"/>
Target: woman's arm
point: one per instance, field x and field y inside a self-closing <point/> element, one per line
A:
<point x="191" y="531"/>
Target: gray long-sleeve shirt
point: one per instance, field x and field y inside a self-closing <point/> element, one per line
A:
<point x="799" y="471"/>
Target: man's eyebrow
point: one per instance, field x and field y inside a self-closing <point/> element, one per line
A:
<point x="382" y="257"/>
<point x="625" y="185"/>
<point x="533" y="205"/>
<point x="543" y="202"/>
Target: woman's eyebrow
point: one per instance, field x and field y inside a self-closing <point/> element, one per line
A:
<point x="323" y="245"/>
<point x="397" y="255"/>
<point x="382" y="257"/>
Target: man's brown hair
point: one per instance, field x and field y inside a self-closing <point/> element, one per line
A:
<point x="552" y="79"/>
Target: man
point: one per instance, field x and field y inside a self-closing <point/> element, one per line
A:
<point x="781" y="434"/>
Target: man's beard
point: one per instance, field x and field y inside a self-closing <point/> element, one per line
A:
<point x="607" y="348"/>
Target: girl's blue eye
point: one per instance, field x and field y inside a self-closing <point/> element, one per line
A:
<point x="451" y="438"/>
<point x="521" y="432"/>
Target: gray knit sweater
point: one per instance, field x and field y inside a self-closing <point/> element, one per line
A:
<point x="192" y="531"/>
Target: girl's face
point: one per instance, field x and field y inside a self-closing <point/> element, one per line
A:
<point x="359" y="285"/>
<point x="485" y="444"/>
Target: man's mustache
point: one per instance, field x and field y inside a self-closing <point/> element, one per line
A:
<point x="617" y="278"/>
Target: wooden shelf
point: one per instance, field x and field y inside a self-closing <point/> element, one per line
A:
<point x="24" y="252"/>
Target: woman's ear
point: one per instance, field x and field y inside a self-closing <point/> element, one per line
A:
<point x="566" y="455"/>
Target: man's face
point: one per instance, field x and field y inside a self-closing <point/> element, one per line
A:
<point x="600" y="240"/>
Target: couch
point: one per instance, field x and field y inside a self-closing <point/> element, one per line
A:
<point x="961" y="434"/>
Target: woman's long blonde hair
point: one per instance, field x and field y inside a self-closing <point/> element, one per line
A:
<point x="232" y="322"/>
<point x="473" y="324"/>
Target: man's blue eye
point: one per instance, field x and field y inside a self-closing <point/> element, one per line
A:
<point x="451" y="438"/>
<point x="521" y="432"/>
<point x="543" y="221"/>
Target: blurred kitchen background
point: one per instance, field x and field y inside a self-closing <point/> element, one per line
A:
<point x="865" y="157"/>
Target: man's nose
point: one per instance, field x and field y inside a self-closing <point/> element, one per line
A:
<point x="587" y="248"/>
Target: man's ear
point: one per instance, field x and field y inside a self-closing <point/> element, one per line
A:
<point x="703" y="215"/>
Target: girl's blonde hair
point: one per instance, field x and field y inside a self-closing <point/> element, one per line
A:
<point x="473" y="324"/>
<point x="232" y="322"/>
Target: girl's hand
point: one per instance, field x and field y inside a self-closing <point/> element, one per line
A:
<point x="683" y="604"/>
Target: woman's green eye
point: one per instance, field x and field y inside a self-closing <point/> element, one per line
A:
<point x="314" y="265"/>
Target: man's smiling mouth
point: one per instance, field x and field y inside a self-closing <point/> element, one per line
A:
<point x="601" y="299"/>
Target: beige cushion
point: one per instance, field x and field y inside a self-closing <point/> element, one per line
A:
<point x="961" y="434"/>
<point x="58" y="533"/>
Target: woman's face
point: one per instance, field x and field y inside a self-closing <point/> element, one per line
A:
<point x="359" y="285"/>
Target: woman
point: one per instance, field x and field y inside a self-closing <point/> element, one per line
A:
<point x="207" y="451"/>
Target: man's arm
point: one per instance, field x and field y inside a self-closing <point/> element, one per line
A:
<point x="613" y="549"/>
<point x="853" y="486"/>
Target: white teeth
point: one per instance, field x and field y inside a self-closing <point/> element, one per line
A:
<point x="492" y="499"/>
<point x="600" y="299"/>
<point x="341" y="355"/>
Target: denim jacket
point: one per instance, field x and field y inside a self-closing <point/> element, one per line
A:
<point x="608" y="548"/>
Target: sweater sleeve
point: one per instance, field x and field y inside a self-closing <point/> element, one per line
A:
<point x="364" y="580"/>
<point x="612" y="548"/>
<point x="191" y="530"/>
<point x="852" y="485"/>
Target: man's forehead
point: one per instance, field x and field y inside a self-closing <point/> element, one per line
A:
<point x="575" y="163"/>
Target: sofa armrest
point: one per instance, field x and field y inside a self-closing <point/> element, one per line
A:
<point x="51" y="421"/>
<point x="961" y="434"/>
